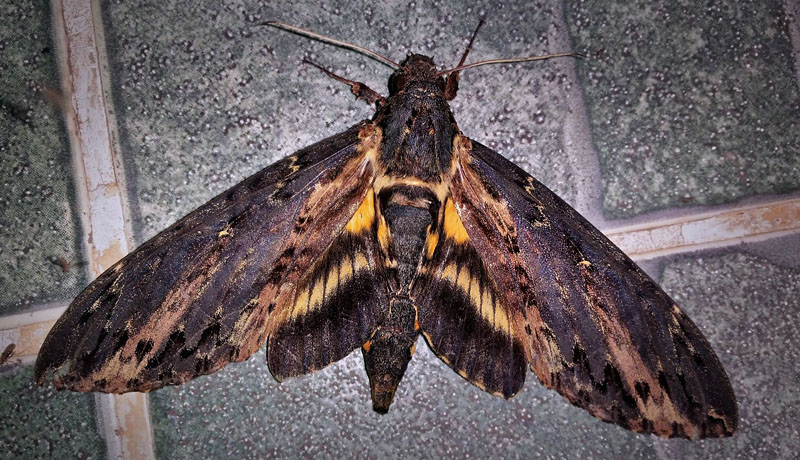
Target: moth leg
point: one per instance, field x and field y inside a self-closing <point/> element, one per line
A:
<point x="361" y="90"/>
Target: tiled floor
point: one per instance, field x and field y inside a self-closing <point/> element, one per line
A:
<point x="677" y="112"/>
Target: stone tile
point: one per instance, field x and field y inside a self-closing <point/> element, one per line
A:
<point x="217" y="98"/>
<point x="40" y="256"/>
<point x="688" y="103"/>
<point x="242" y="412"/>
<point x="45" y="423"/>
<point x="747" y="307"/>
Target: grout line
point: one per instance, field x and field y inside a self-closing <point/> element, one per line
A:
<point x="576" y="135"/>
<point x="91" y="140"/>
<point x="27" y="339"/>
<point x="125" y="419"/>
<point x="709" y="230"/>
<point x="44" y="313"/>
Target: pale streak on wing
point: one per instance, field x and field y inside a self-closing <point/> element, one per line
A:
<point x="319" y="287"/>
<point x="479" y="294"/>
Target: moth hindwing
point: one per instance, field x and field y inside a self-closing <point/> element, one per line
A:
<point x="399" y="226"/>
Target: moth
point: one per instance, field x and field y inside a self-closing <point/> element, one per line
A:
<point x="397" y="227"/>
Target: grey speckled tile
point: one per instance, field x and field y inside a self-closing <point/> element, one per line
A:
<point x="241" y="412"/>
<point x="44" y="423"/>
<point x="40" y="256"/>
<point x="689" y="103"/>
<point x="747" y="307"/>
<point x="204" y="97"/>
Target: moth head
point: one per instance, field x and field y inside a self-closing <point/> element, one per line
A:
<point x="416" y="68"/>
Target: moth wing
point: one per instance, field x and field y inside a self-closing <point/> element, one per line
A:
<point x="593" y="325"/>
<point x="461" y="309"/>
<point x="211" y="288"/>
<point x="340" y="299"/>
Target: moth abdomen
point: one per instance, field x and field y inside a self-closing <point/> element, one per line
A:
<point x="389" y="350"/>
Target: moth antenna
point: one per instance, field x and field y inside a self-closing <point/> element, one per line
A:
<point x="333" y="41"/>
<point x="451" y="85"/>
<point x="471" y="41"/>
<point x="510" y="61"/>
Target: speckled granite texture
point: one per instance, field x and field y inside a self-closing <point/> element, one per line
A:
<point x="40" y="257"/>
<point x="44" y="423"/>
<point x="747" y="307"/>
<point x="688" y="103"/>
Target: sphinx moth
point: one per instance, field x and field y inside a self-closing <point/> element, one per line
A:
<point x="397" y="227"/>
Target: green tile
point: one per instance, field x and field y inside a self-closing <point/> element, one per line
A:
<point x="747" y="307"/>
<point x="217" y="98"/>
<point x="241" y="412"/>
<point x="44" y="423"/>
<point x="688" y="103"/>
<point x="40" y="257"/>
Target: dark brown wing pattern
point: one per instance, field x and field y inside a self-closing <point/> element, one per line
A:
<point x="340" y="301"/>
<point x="461" y="310"/>
<point x="211" y="288"/>
<point x="593" y="325"/>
